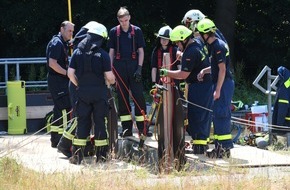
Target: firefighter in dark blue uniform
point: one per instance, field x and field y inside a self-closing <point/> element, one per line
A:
<point x="126" y="44"/>
<point x="163" y="45"/>
<point x="223" y="86"/>
<point x="191" y="19"/>
<point x="281" y="112"/>
<point x="57" y="64"/>
<point x="90" y="70"/>
<point x="199" y="92"/>
<point x="65" y="143"/>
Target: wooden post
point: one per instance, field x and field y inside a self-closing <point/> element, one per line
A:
<point x="167" y="115"/>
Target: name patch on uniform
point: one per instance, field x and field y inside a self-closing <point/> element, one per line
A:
<point x="98" y="54"/>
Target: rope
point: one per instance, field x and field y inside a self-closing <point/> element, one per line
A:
<point x="241" y="121"/>
<point x="121" y="92"/>
<point x="35" y="133"/>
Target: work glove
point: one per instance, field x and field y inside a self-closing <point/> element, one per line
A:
<point x="182" y="86"/>
<point x="138" y="74"/>
<point x="163" y="72"/>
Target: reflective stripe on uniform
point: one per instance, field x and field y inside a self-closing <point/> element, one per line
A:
<point x="68" y="135"/>
<point x="199" y="142"/>
<point x="139" y="118"/>
<point x="60" y="130"/>
<point x="283" y="101"/>
<point x="287" y="83"/>
<point x="101" y="142"/>
<point x="74" y="124"/>
<point x="64" y="118"/>
<point x="54" y="128"/>
<point x="125" y="118"/>
<point x="79" y="142"/>
<point x="223" y="137"/>
<point x="287" y="118"/>
<point x="186" y="122"/>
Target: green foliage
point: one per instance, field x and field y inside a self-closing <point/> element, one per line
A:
<point x="42" y="73"/>
<point x="244" y="89"/>
<point x="12" y="72"/>
<point x="262" y="29"/>
<point x="31" y="73"/>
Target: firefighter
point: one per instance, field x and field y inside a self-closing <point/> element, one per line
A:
<point x="163" y="45"/>
<point x="57" y="64"/>
<point x="223" y="86"/>
<point x="126" y="49"/>
<point x="199" y="92"/>
<point x="191" y="19"/>
<point x="82" y="33"/>
<point x="281" y="112"/>
<point x="65" y="143"/>
<point x="90" y="70"/>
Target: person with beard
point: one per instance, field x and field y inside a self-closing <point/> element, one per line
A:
<point x="57" y="64"/>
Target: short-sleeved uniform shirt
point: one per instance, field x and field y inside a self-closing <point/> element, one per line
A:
<point x="125" y="41"/>
<point x="100" y="63"/>
<point x="154" y="57"/>
<point x="91" y="77"/>
<point x="219" y="52"/>
<point x="155" y="60"/>
<point x="193" y="61"/>
<point x="57" y="49"/>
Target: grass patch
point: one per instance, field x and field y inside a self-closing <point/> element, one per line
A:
<point x="16" y="177"/>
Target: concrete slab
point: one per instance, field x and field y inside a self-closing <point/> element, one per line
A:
<point x="35" y="152"/>
<point x="246" y="156"/>
<point x="241" y="156"/>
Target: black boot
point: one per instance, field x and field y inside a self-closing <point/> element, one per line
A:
<point x="102" y="153"/>
<point x="77" y="155"/>
<point x="64" y="146"/>
<point x="89" y="149"/>
<point x="219" y="152"/>
<point x="126" y="129"/>
<point x="199" y="149"/>
<point x="54" y="139"/>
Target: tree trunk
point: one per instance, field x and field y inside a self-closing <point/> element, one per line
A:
<point x="225" y="20"/>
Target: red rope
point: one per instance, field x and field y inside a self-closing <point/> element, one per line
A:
<point x="131" y="96"/>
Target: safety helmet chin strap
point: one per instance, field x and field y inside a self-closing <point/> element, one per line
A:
<point x="205" y="40"/>
<point x="184" y="44"/>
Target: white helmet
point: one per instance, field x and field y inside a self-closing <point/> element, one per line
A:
<point x="99" y="29"/>
<point x="191" y="18"/>
<point x="90" y="24"/>
<point x="164" y="32"/>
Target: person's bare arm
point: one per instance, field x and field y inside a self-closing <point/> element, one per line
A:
<point x="204" y="71"/>
<point x="72" y="77"/>
<point x="56" y="67"/>
<point x="178" y="74"/>
<point x="111" y="54"/>
<point x="153" y="74"/>
<point x="141" y="56"/>
<point x="110" y="77"/>
<point x="221" y="79"/>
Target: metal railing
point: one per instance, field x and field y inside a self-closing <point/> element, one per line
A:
<point x="21" y="61"/>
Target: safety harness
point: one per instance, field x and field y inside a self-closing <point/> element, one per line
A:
<point x="118" y="32"/>
<point x="159" y="56"/>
